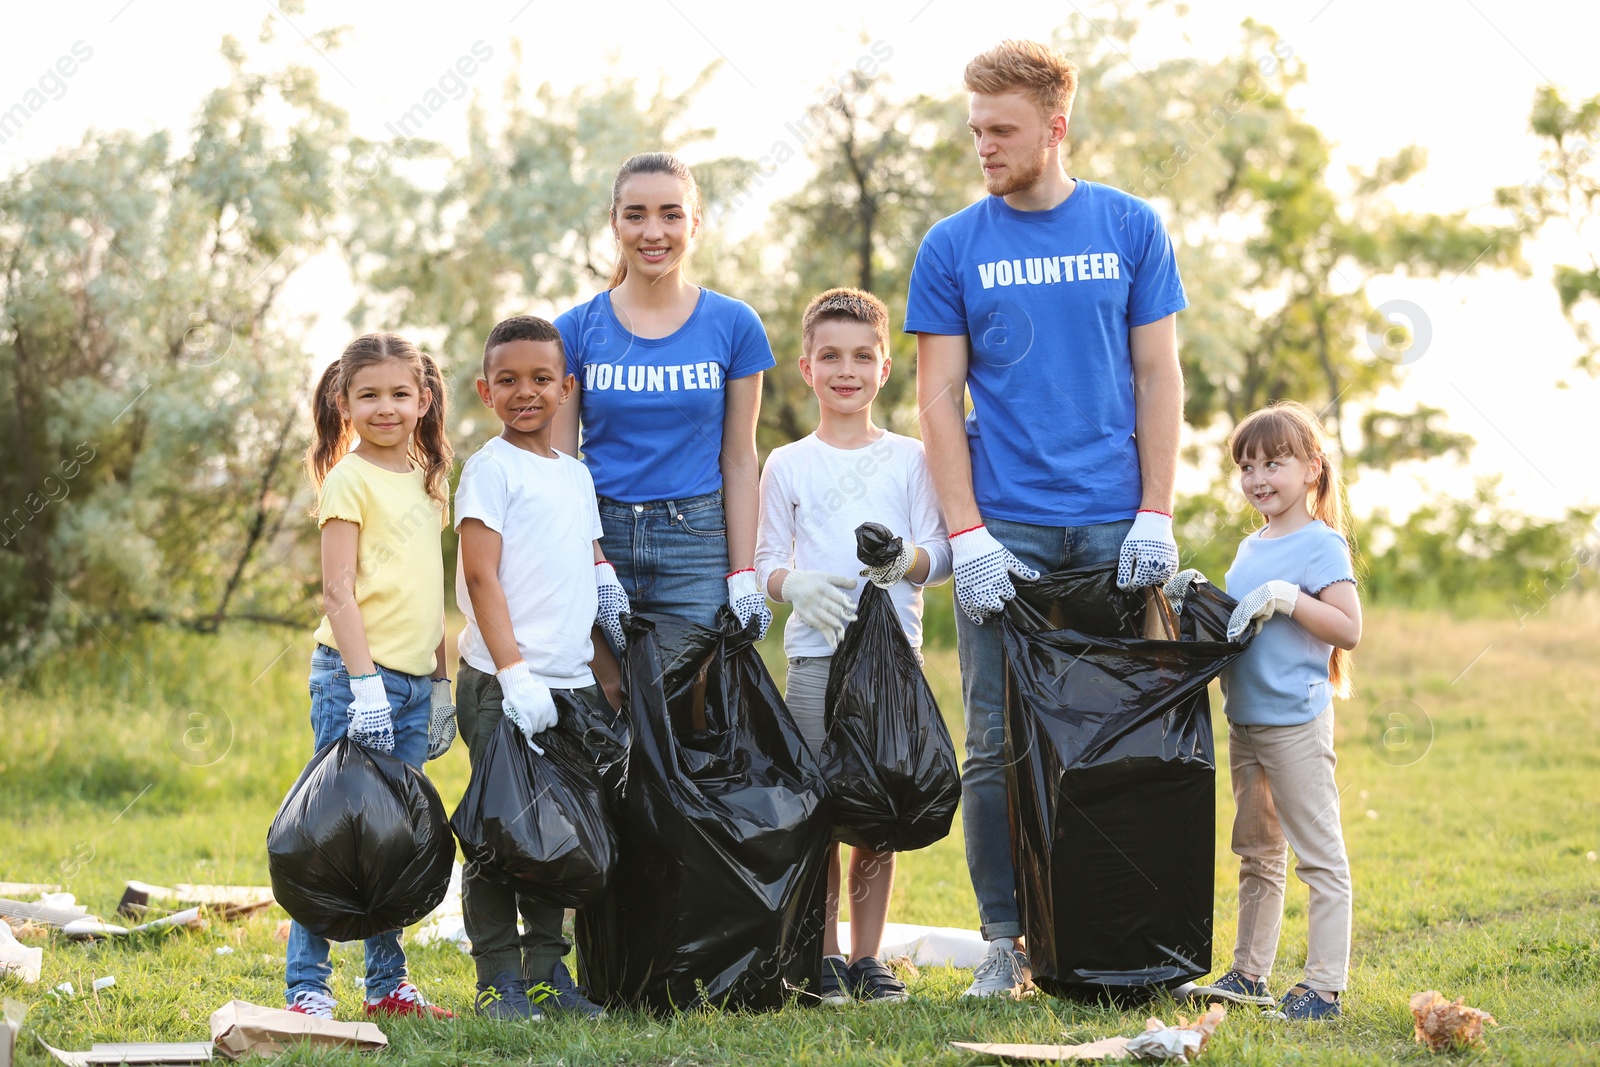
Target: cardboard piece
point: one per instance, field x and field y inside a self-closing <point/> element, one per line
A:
<point x="18" y="959"/>
<point x="1108" y="1048"/>
<point x="240" y="1028"/>
<point x="134" y="1053"/>
<point x="1181" y="1043"/>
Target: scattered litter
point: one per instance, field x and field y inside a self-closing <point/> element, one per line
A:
<point x="282" y="932"/>
<point x="903" y="967"/>
<point x="220" y="901"/>
<point x="1179" y="1044"/>
<point x="928" y="946"/>
<point x="17" y="912"/>
<point x="17" y="959"/>
<point x="89" y="928"/>
<point x="225" y="950"/>
<point x="1371" y="814"/>
<point x="446" y="922"/>
<point x="1591" y="855"/>
<point x="10" y="1023"/>
<point x="1443" y="1024"/>
<point x="64" y="990"/>
<point x="134" y="1052"/>
<point x="64" y="901"/>
<point x="105" y="983"/>
<point x="240" y="1028"/>
<point x="26" y="889"/>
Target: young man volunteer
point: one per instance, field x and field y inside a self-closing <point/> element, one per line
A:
<point x="1054" y="300"/>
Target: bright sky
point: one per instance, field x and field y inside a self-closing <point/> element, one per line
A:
<point x="1455" y="76"/>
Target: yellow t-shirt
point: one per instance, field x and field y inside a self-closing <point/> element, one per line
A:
<point x="399" y="561"/>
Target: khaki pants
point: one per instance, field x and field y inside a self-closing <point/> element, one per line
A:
<point x="1283" y="788"/>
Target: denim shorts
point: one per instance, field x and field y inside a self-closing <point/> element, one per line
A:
<point x="671" y="556"/>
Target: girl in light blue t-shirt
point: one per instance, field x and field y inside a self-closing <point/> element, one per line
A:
<point x="1296" y="586"/>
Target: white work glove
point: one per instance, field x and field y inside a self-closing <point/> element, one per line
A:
<point x="371" y="721"/>
<point x="1149" y="553"/>
<point x="819" y="603"/>
<point x="890" y="573"/>
<point x="526" y="700"/>
<point x="441" y="719"/>
<point x="1178" y="586"/>
<point x="983" y="568"/>
<point x="746" y="600"/>
<point x="1261" y="604"/>
<point x="613" y="602"/>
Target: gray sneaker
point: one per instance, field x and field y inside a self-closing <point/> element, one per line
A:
<point x="1003" y="972"/>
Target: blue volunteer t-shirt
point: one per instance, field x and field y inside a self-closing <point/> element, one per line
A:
<point x="653" y="407"/>
<point x="1046" y="299"/>
<point x="1282" y="678"/>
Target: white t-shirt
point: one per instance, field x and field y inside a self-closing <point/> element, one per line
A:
<point x="813" y="496"/>
<point x="545" y="513"/>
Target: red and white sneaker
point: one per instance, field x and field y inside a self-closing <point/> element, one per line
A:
<point x="313" y="1002"/>
<point x="407" y="1000"/>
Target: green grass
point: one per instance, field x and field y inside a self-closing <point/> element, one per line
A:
<point x="1472" y="863"/>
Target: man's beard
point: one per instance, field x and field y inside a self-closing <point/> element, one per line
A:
<point x="1019" y="174"/>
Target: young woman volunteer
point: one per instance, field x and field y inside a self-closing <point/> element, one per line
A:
<point x="669" y="387"/>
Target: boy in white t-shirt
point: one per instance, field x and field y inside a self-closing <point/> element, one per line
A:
<point x="814" y="493"/>
<point x="532" y="582"/>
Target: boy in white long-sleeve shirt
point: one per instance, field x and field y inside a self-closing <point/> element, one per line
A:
<point x="814" y="493"/>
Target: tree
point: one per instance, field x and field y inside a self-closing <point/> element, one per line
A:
<point x="151" y="378"/>
<point x="1564" y="196"/>
<point x="519" y="221"/>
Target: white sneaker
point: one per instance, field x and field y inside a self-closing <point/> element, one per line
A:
<point x="1003" y="972"/>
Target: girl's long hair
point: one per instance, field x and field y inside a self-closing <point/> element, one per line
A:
<point x="429" y="448"/>
<point x="1288" y="428"/>
<point x="651" y="163"/>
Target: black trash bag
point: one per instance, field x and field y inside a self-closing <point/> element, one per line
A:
<point x="1111" y="774"/>
<point x="887" y="757"/>
<point x="717" y="895"/>
<point x="541" y="824"/>
<point x="360" y="845"/>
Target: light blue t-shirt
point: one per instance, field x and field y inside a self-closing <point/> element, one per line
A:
<point x="1046" y="299"/>
<point x="1282" y="678"/>
<point x="653" y="407"/>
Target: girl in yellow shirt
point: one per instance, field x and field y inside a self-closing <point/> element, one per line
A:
<point x="380" y="462"/>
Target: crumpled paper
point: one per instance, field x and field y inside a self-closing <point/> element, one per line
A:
<point x="18" y="959"/>
<point x="1174" y="1044"/>
<point x="1443" y="1024"/>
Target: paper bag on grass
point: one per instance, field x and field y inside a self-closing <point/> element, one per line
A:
<point x="240" y="1028"/>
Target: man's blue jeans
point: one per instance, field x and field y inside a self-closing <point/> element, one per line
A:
<point x="410" y="699"/>
<point x="983" y="775"/>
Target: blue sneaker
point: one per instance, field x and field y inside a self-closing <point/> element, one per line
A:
<point x="561" y="995"/>
<point x="1237" y="988"/>
<point x="1306" y="1006"/>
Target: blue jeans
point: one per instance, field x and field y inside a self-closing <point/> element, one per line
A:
<point x="984" y="818"/>
<point x="671" y="555"/>
<point x="410" y="699"/>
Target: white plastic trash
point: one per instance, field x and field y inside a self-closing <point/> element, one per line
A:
<point x="18" y="959"/>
